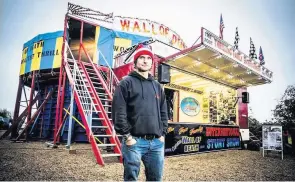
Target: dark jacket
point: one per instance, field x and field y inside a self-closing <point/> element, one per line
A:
<point x="139" y="106"/>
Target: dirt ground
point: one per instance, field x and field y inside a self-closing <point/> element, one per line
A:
<point x="35" y="161"/>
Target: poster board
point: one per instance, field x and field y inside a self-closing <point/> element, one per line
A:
<point x="272" y="138"/>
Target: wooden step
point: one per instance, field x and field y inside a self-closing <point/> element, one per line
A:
<point x="110" y="155"/>
<point x="106" y="145"/>
<point x="255" y="140"/>
<point x="97" y="118"/>
<point x="102" y="135"/>
<point x="99" y="127"/>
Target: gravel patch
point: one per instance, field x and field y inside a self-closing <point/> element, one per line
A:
<point x="35" y="161"/>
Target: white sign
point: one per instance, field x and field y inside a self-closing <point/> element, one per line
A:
<point x="214" y="42"/>
<point x="149" y="29"/>
<point x="272" y="138"/>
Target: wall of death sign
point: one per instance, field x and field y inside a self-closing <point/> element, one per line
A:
<point x="150" y="29"/>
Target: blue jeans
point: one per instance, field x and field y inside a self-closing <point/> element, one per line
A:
<point x="150" y="152"/>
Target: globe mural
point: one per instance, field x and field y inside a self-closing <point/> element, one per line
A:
<point x="190" y="106"/>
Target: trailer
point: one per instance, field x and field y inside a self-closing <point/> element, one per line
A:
<point x="71" y="76"/>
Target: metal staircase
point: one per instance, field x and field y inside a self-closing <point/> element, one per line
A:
<point x="94" y="103"/>
<point x="254" y="138"/>
<point x="255" y="141"/>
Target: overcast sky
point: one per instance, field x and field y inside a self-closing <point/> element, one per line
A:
<point x="270" y="23"/>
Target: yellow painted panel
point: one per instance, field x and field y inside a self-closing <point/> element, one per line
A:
<point x="23" y="63"/>
<point x="37" y="50"/>
<point x="95" y="52"/>
<point x="188" y="112"/>
<point x="121" y="44"/>
<point x="58" y="48"/>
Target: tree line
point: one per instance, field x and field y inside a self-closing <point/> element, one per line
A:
<point x="283" y="113"/>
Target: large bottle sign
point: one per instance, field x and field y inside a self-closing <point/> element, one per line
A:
<point x="149" y="29"/>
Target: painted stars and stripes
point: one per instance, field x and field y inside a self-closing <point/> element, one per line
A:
<point x="261" y="57"/>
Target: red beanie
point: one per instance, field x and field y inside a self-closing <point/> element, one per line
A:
<point x="143" y="50"/>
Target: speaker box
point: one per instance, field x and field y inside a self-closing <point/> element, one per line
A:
<point x="245" y="97"/>
<point x="164" y="73"/>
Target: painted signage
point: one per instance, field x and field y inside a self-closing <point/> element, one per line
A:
<point x="272" y="137"/>
<point x="195" y="138"/>
<point x="214" y="42"/>
<point x="149" y="29"/>
<point x="190" y="106"/>
<point x="42" y="52"/>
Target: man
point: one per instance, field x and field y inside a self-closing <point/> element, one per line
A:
<point x="139" y="113"/>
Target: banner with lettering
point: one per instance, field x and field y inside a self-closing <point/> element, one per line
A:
<point x="186" y="138"/>
<point x="42" y="52"/>
<point x="149" y="28"/>
<point x="214" y="42"/>
<point x="111" y="42"/>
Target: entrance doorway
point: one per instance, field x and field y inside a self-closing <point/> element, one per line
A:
<point x="172" y="104"/>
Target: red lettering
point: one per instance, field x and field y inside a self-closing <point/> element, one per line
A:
<point x="166" y="31"/>
<point x="237" y="56"/>
<point x="209" y="131"/>
<point x="178" y="41"/>
<point x="125" y="24"/>
<point x="181" y="45"/>
<point x="153" y="29"/>
<point x="224" y="48"/>
<point x="136" y="26"/>
<point x="252" y="65"/>
<point x="174" y="39"/>
<point x="144" y="28"/>
<point x="161" y="29"/>
<point x="218" y="132"/>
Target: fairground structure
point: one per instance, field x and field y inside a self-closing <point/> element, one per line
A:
<point x="72" y="74"/>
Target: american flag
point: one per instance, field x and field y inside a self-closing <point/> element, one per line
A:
<point x="221" y="27"/>
<point x="261" y="57"/>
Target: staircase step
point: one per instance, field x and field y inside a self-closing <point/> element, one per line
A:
<point x="97" y="118"/>
<point x="99" y="127"/>
<point x="110" y="155"/>
<point x="90" y="73"/>
<point x="255" y="140"/>
<point x="99" y="88"/>
<point x="105" y="112"/>
<point x="106" y="99"/>
<point x="96" y="83"/>
<point x="106" y="105"/>
<point x="89" y="69"/>
<point x="102" y="135"/>
<point x="101" y="94"/>
<point x="81" y="91"/>
<point x="78" y="79"/>
<point x="86" y="103"/>
<point x="106" y="145"/>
